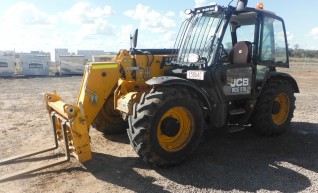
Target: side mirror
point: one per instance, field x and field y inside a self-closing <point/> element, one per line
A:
<point x="241" y="5"/>
<point x="133" y="39"/>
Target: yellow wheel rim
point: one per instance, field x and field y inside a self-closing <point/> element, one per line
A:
<point x="175" y="135"/>
<point x="280" y="117"/>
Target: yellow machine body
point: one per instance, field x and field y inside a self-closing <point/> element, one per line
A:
<point x="124" y="77"/>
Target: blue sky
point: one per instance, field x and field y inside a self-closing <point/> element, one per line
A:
<point x="78" y="24"/>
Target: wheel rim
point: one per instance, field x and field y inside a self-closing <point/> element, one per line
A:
<point x="170" y="137"/>
<point x="281" y="115"/>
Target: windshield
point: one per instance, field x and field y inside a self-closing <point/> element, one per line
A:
<point x="197" y="38"/>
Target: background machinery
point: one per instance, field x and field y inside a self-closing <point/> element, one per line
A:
<point x="221" y="72"/>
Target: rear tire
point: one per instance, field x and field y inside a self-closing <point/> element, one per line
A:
<point x="274" y="109"/>
<point x="166" y="126"/>
<point x="109" y="121"/>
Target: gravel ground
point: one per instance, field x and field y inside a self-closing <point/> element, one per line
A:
<point x="236" y="162"/>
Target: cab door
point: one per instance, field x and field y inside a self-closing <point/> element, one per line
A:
<point x="236" y="81"/>
<point x="272" y="48"/>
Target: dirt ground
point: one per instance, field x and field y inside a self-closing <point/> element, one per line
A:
<point x="238" y="162"/>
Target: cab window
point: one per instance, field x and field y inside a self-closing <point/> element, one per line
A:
<point x="246" y="33"/>
<point x="273" y="42"/>
<point x="241" y="28"/>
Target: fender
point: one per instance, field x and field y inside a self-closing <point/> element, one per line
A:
<point x="170" y="80"/>
<point x="285" y="76"/>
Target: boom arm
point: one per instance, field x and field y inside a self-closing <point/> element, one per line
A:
<point x="98" y="82"/>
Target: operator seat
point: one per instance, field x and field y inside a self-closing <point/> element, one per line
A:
<point x="241" y="53"/>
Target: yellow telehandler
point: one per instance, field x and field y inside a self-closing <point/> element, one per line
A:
<point x="221" y="72"/>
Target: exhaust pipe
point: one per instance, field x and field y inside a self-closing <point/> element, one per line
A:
<point x="241" y="5"/>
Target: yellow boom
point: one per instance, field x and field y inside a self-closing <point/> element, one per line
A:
<point x="98" y="81"/>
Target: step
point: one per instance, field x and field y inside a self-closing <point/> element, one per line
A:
<point x="235" y="128"/>
<point x="238" y="111"/>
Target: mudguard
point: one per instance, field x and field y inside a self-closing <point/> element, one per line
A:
<point x="170" y="80"/>
<point x="285" y="76"/>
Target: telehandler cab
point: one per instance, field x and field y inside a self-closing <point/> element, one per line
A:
<point x="221" y="72"/>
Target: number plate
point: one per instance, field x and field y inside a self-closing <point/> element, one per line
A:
<point x="195" y="74"/>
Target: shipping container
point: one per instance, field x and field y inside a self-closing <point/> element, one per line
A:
<point x="7" y="63"/>
<point x="72" y="65"/>
<point x="35" y="64"/>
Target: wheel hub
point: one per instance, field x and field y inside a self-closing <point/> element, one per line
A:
<point x="170" y="126"/>
<point x="276" y="107"/>
<point x="175" y="129"/>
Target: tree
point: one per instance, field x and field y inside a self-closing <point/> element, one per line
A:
<point x="296" y="46"/>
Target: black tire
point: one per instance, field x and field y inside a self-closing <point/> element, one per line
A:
<point x="166" y="126"/>
<point x="108" y="120"/>
<point x="274" y="108"/>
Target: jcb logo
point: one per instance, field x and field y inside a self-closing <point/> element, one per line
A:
<point x="239" y="82"/>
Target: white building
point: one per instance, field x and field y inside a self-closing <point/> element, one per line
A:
<point x="7" y="63"/>
<point x="35" y="63"/>
<point x="71" y="64"/>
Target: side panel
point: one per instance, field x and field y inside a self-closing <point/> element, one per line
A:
<point x="151" y="66"/>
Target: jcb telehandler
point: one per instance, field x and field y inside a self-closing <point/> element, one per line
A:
<point x="221" y="72"/>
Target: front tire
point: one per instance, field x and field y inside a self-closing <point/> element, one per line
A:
<point x="166" y="126"/>
<point x="108" y="120"/>
<point x="274" y="109"/>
